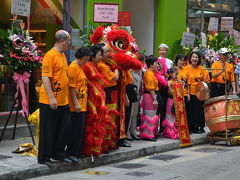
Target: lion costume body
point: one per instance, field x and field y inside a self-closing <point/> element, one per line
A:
<point x="123" y="53"/>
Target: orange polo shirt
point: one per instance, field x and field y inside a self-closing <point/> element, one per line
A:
<point x="129" y="77"/>
<point x="78" y="81"/>
<point x="182" y="76"/>
<point x="221" y="78"/>
<point x="105" y="70"/>
<point x="150" y="81"/>
<point x="195" y="75"/>
<point x="55" y="67"/>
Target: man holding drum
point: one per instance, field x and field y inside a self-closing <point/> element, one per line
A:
<point x="218" y="75"/>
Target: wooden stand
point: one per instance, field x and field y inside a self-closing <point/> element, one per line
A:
<point x="19" y="99"/>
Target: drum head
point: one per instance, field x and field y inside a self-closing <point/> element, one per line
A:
<point x="202" y="91"/>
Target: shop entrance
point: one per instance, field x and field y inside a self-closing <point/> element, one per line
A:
<point x="142" y="22"/>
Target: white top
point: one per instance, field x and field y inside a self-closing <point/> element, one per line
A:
<point x="137" y="80"/>
<point x="168" y="62"/>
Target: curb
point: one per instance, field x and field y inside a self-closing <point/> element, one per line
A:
<point x="21" y="131"/>
<point x="122" y="154"/>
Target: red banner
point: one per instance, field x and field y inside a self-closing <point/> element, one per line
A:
<point x="181" y="117"/>
<point x="124" y="19"/>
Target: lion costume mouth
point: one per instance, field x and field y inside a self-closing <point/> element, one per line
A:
<point x="126" y="61"/>
<point x="121" y="44"/>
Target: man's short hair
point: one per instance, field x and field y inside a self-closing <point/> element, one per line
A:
<point x="60" y="35"/>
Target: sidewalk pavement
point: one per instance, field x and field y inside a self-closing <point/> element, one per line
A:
<point x="15" y="166"/>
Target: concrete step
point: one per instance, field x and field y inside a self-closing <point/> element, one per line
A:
<point x="21" y="131"/>
<point x="23" y="167"/>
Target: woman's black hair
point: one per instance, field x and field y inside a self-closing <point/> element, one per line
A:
<point x="199" y="58"/>
<point x="81" y="52"/>
<point x="178" y="57"/>
<point x="142" y="57"/>
<point x="94" y="50"/>
<point x="150" y="60"/>
<point x="171" y="71"/>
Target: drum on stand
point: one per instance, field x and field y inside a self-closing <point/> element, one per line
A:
<point x="215" y="113"/>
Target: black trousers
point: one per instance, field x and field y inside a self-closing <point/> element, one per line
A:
<point x="187" y="108"/>
<point x="54" y="127"/>
<point x="76" y="136"/>
<point x="128" y="116"/>
<point x="162" y="107"/>
<point x="217" y="89"/>
<point x="196" y="119"/>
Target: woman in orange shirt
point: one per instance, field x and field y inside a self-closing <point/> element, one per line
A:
<point x="195" y="74"/>
<point x="77" y="102"/>
<point x="149" y="104"/>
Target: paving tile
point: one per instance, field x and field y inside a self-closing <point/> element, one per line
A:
<point x="138" y="173"/>
<point x="131" y="166"/>
<point x="213" y="150"/>
<point x="164" y="157"/>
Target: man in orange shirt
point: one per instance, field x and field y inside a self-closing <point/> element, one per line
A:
<point x="111" y="91"/>
<point x="219" y="77"/>
<point x="53" y="102"/>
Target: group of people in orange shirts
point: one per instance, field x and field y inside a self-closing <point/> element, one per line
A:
<point x="79" y="103"/>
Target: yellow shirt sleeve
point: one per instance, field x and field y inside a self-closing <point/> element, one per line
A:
<point x="105" y="71"/>
<point x="47" y="69"/>
<point x="72" y="75"/>
<point x="149" y="82"/>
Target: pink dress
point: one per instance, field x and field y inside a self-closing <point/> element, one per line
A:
<point x="169" y="123"/>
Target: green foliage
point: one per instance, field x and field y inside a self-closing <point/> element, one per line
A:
<point x="176" y="49"/>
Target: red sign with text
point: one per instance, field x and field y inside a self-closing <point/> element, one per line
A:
<point x="124" y="18"/>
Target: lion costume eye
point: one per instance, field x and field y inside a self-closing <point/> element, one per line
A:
<point x="120" y="44"/>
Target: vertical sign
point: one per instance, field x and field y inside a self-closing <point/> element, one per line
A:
<point x="204" y="39"/>
<point x="124" y="19"/>
<point x="105" y="13"/>
<point x="226" y="23"/>
<point x="21" y="7"/>
<point x="188" y="39"/>
<point x="236" y="35"/>
<point x="213" y="24"/>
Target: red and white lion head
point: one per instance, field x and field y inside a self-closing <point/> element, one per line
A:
<point x="122" y="46"/>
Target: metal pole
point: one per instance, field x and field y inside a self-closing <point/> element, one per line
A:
<point x="68" y="26"/>
<point x="64" y="15"/>
<point x="84" y="16"/>
<point x="202" y="15"/>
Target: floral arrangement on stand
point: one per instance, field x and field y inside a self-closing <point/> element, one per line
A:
<point x="215" y="41"/>
<point x="20" y="54"/>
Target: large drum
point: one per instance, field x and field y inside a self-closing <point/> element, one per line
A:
<point x="215" y="110"/>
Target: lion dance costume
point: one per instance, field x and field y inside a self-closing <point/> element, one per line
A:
<point x="123" y="53"/>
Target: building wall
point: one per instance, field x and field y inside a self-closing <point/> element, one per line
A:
<point x="77" y="12"/>
<point x="142" y="22"/>
<point x="170" y="21"/>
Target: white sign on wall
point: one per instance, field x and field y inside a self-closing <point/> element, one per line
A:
<point x="105" y="13"/>
<point x="226" y="23"/>
<point x="213" y="24"/>
<point x="236" y="35"/>
<point x="21" y="7"/>
<point x="188" y="39"/>
<point x="204" y="39"/>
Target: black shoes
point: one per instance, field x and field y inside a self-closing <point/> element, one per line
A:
<point x="48" y="163"/>
<point x="123" y="143"/>
<point x="135" y="137"/>
<point x="202" y="130"/>
<point x="74" y="159"/>
<point x="105" y="152"/>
